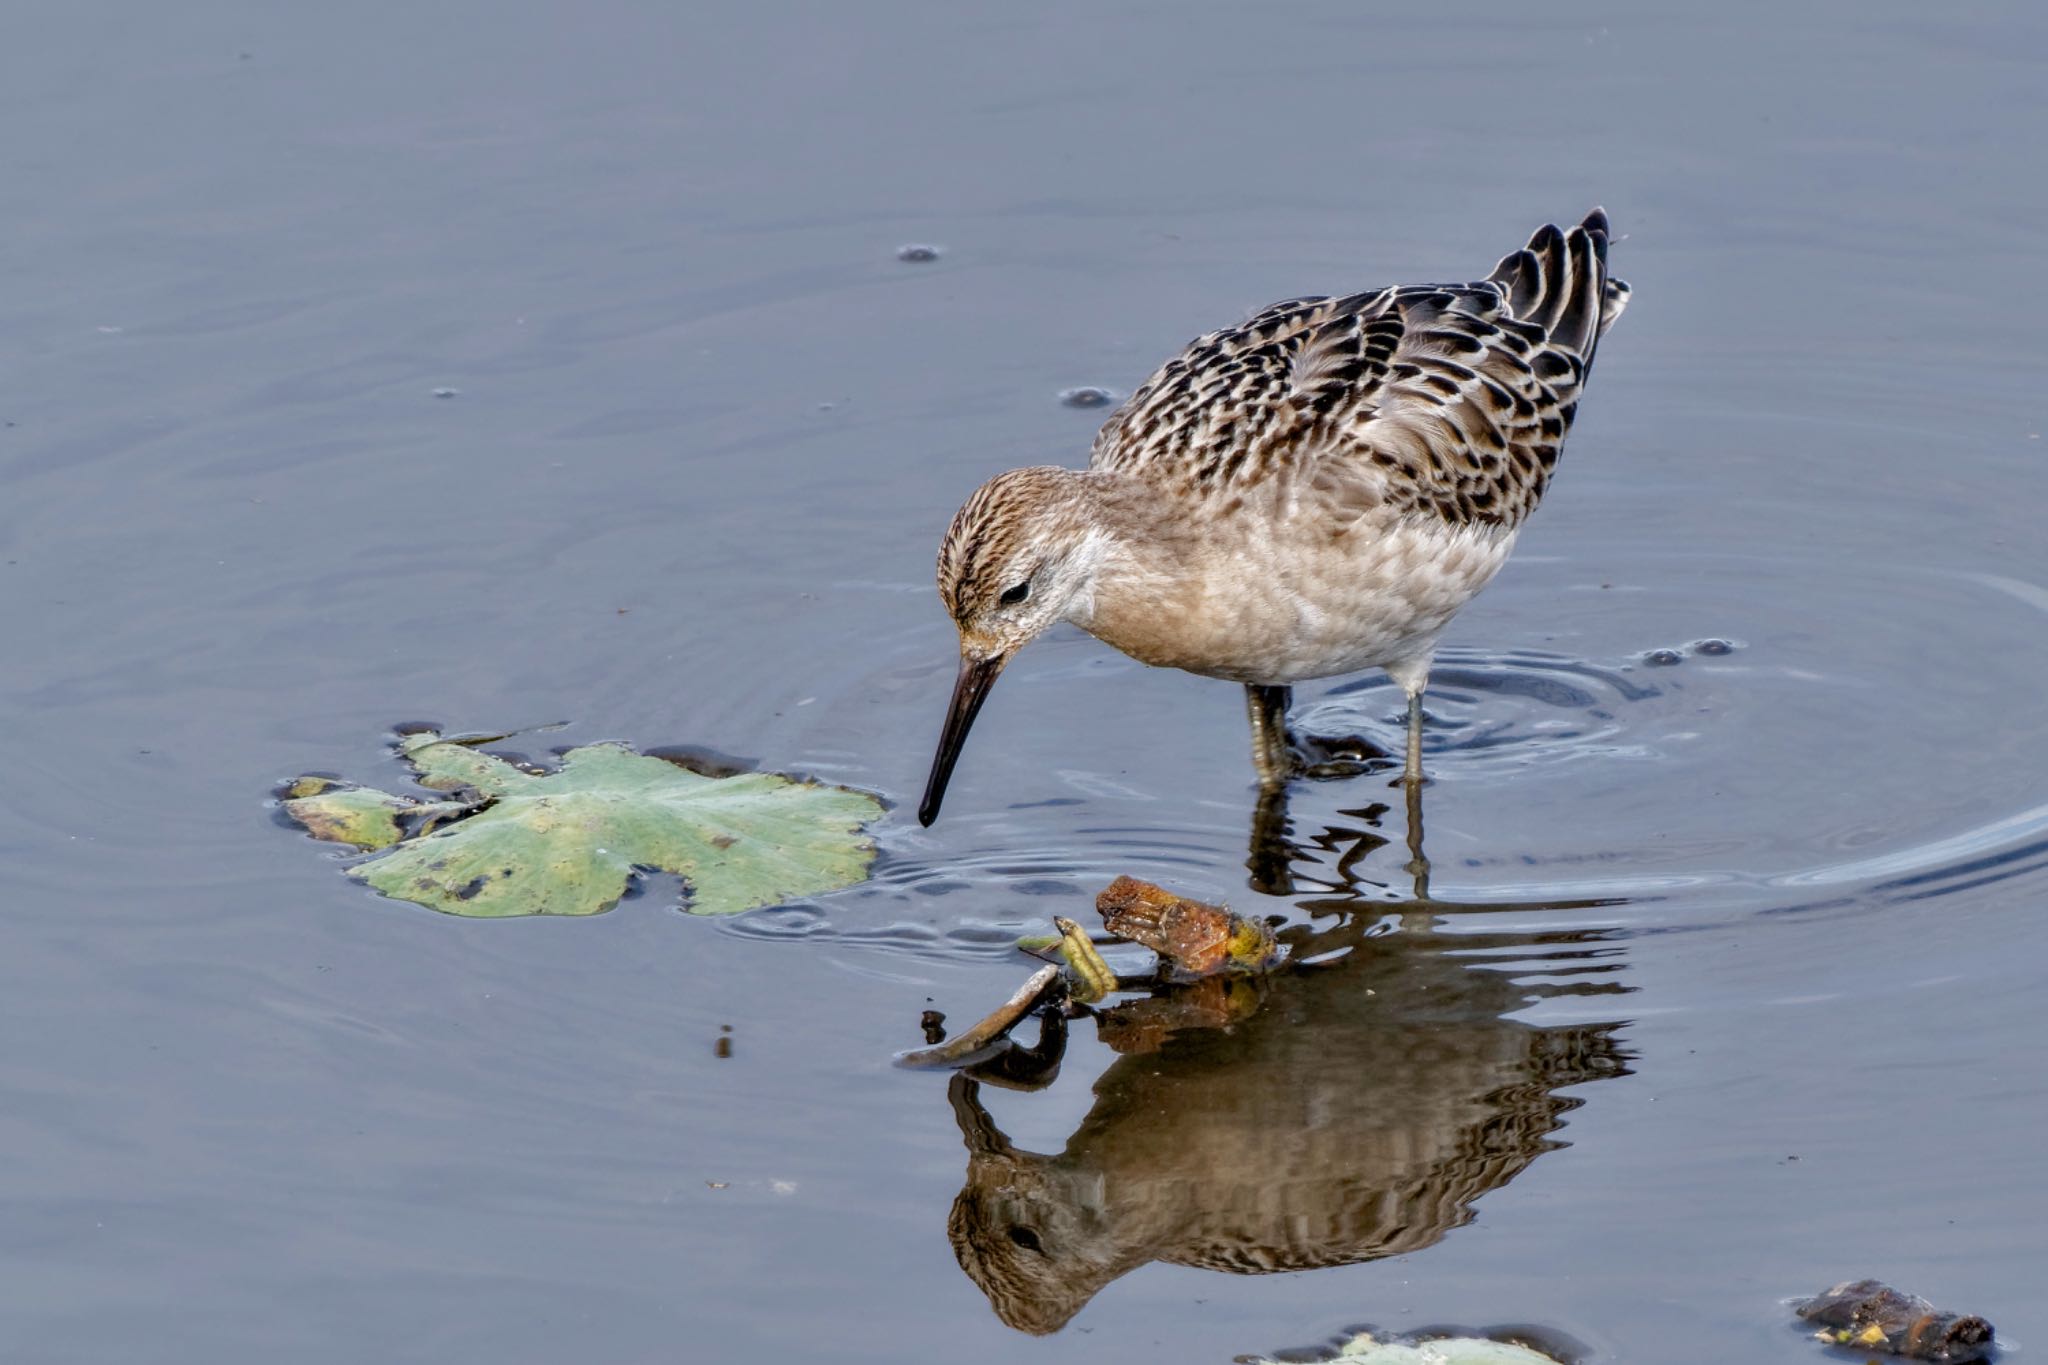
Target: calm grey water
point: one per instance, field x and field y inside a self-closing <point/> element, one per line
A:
<point x="1733" y="989"/>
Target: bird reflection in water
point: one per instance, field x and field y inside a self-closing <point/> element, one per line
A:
<point x="1351" y="1106"/>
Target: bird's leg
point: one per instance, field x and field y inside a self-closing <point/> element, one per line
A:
<point x="1412" y="677"/>
<point x="1271" y="858"/>
<point x="1418" y="861"/>
<point x="1272" y="754"/>
<point x="1278" y="753"/>
<point x="1411" y="786"/>
<point x="1412" y="774"/>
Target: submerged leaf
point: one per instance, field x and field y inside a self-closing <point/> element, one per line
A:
<point x="1367" y="1349"/>
<point x="568" y="842"/>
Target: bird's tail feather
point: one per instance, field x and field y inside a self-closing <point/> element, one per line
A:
<point x="1559" y="281"/>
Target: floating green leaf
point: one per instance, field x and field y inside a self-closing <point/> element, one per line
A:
<point x="568" y="842"/>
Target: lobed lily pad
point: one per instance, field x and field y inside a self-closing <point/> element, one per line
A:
<point x="569" y="842"/>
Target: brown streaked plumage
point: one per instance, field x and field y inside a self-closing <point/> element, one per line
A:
<point x="1313" y="492"/>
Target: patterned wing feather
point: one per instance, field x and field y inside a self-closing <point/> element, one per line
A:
<point x="1446" y="401"/>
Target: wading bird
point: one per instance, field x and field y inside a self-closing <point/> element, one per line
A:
<point x="1314" y="492"/>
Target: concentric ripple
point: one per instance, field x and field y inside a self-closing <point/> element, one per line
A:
<point x="1738" y="737"/>
<point x="1521" y="708"/>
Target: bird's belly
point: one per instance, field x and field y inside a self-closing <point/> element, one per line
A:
<point x="1271" y="612"/>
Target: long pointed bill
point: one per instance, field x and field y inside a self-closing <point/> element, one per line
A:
<point x="970" y="690"/>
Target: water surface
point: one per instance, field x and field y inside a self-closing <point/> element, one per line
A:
<point x="1727" y="989"/>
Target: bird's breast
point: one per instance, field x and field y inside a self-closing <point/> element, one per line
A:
<point x="1256" y="605"/>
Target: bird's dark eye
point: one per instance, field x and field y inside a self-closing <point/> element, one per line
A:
<point x="1026" y="1238"/>
<point x="1012" y="596"/>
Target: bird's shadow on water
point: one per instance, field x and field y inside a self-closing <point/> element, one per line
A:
<point x="1350" y="1106"/>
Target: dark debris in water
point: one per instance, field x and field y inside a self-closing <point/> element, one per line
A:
<point x="917" y="253"/>
<point x="1087" y="396"/>
<point x="1710" y="648"/>
<point x="1872" y="1316"/>
<point x="1193" y="940"/>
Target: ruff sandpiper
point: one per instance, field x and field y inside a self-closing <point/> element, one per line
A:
<point x="1310" y="493"/>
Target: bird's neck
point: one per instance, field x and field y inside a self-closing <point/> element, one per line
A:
<point x="1140" y="588"/>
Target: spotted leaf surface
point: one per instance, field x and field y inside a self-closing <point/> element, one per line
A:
<point x="569" y="842"/>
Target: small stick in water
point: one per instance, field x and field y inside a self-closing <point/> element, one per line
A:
<point x="976" y="1043"/>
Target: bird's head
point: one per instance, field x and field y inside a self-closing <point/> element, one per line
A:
<point x="1038" y="1236"/>
<point x="1020" y="556"/>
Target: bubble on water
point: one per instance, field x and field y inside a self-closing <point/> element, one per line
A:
<point x="1087" y="396"/>
<point x="917" y="253"/>
<point x="1663" y="658"/>
<point x="1713" y="647"/>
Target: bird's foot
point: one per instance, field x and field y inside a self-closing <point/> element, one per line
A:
<point x="1328" y="757"/>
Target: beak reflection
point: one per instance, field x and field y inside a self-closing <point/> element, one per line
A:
<point x="969" y="691"/>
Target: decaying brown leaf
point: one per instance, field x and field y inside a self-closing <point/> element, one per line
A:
<point x="1193" y="935"/>
<point x="1876" y="1317"/>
